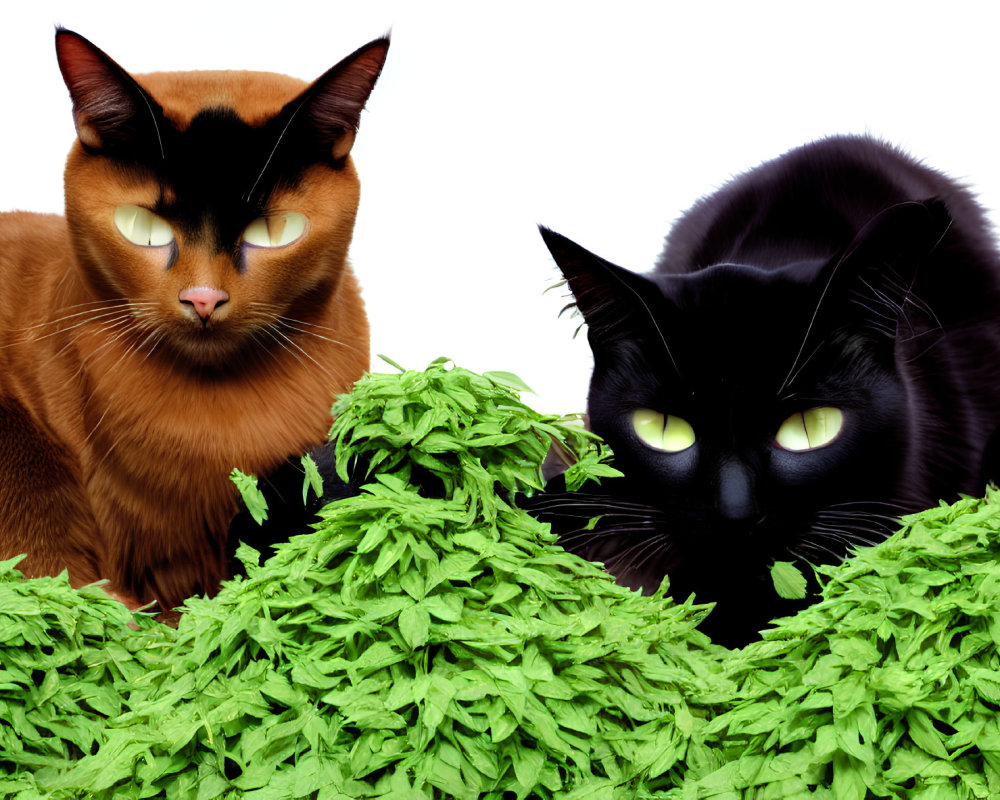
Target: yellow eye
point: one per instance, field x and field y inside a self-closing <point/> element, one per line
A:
<point x="810" y="430"/>
<point x="669" y="433"/>
<point x="276" y="230"/>
<point x="142" y="227"/>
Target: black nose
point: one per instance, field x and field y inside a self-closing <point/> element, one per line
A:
<point x="735" y="498"/>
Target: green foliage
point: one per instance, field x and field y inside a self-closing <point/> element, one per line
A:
<point x="430" y="640"/>
<point x="313" y="480"/>
<point x="888" y="687"/>
<point x="253" y="498"/>
<point x="788" y="581"/>
<point x="67" y="663"/>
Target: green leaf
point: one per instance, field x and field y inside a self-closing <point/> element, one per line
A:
<point x="789" y="582"/>
<point x="508" y="379"/>
<point x="391" y="363"/>
<point x="252" y="496"/>
<point x="414" y="625"/>
<point x="313" y="480"/>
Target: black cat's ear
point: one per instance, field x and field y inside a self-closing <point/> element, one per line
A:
<point x="615" y="303"/>
<point x="331" y="107"/>
<point x="876" y="272"/>
<point x="110" y="110"/>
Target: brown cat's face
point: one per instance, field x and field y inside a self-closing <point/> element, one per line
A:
<point x="215" y="208"/>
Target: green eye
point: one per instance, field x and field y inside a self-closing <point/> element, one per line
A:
<point x="668" y="433"/>
<point x="142" y="227"/>
<point x="276" y="230"/>
<point x="810" y="430"/>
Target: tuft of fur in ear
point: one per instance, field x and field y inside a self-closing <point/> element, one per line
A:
<point x="876" y="273"/>
<point x="332" y="105"/>
<point x="615" y="303"/>
<point x="110" y="110"/>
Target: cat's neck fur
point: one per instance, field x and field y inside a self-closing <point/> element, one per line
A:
<point x="154" y="444"/>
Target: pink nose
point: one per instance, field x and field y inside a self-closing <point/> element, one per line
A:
<point x="204" y="299"/>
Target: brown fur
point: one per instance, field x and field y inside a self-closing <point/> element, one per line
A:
<point x="120" y="422"/>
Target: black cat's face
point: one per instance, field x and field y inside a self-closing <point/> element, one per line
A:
<point x="720" y="409"/>
<point x="757" y="415"/>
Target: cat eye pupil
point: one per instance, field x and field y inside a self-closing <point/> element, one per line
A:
<point x="662" y="431"/>
<point x="142" y="227"/>
<point x="810" y="429"/>
<point x="275" y="230"/>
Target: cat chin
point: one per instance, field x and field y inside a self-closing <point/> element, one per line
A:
<point x="211" y="349"/>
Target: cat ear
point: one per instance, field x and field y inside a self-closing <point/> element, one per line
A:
<point x="110" y="110"/>
<point x="615" y="302"/>
<point x="876" y="272"/>
<point x="332" y="105"/>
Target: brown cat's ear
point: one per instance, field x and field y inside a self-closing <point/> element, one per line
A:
<point x="332" y="105"/>
<point x="111" y="111"/>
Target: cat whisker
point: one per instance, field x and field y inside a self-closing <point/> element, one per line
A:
<point x="89" y="316"/>
<point x="569" y="540"/>
<point x="935" y="342"/>
<point x="305" y="332"/>
<point x="303" y="323"/>
<point x="301" y="326"/>
<point x="292" y="343"/>
<point x="864" y="507"/>
<point x="280" y="342"/>
<point x="922" y="307"/>
<point x="157" y="335"/>
<point x="125" y="326"/>
<point x="90" y="304"/>
<point x="876" y="319"/>
<point x="633" y="556"/>
<point x="585" y="512"/>
<point x="892" y="503"/>
<point x="106" y="325"/>
<point x="136" y="346"/>
<point x="887" y="520"/>
<point x="97" y="425"/>
<point x="821" y="538"/>
<point x="852" y="522"/>
<point x="124" y="331"/>
<point x="823" y="554"/>
<point x="796" y="371"/>
<point x="567" y="502"/>
<point x="97" y="305"/>
<point x="282" y="330"/>
<point x="845" y="537"/>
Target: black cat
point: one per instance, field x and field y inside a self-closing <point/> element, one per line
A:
<point x="816" y="352"/>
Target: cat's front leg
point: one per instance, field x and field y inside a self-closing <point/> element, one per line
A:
<point x="44" y="513"/>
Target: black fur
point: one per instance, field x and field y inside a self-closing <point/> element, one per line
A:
<point x="841" y="274"/>
<point x="287" y="515"/>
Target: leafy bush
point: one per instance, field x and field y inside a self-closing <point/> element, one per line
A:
<point x="431" y="640"/>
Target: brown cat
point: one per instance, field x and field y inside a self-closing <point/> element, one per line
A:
<point x="193" y="312"/>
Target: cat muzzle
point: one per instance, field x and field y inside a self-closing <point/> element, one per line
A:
<point x="204" y="300"/>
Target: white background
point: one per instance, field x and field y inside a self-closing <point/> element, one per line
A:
<point x="604" y="121"/>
